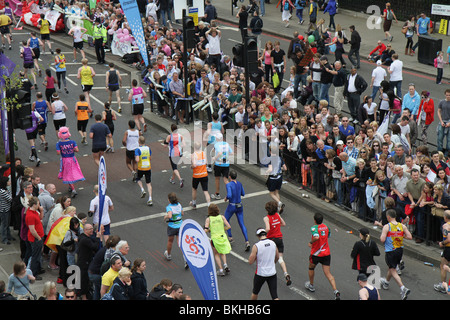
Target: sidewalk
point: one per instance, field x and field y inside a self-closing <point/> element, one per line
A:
<point x="274" y="26"/>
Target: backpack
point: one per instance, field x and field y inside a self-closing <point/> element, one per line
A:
<point x="106" y="264"/>
<point x="108" y="295"/>
<point x="296" y="45"/>
<point x="435" y="62"/>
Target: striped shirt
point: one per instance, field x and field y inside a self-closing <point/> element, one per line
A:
<point x="5" y="200"/>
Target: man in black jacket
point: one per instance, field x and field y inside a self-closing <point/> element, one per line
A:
<point x="355" y="43"/>
<point x="355" y="85"/>
<point x="88" y="245"/>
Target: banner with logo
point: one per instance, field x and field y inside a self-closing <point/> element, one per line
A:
<point x="197" y="251"/>
<point x="101" y="189"/>
<point x="131" y="11"/>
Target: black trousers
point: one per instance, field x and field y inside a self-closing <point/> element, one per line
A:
<point x="99" y="50"/>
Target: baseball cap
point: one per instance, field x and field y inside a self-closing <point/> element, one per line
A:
<point x="340" y="142"/>
<point x="261" y="232"/>
<point x="379" y="62"/>
<point x="364" y="231"/>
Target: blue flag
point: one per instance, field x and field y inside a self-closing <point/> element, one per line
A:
<point x="131" y="11"/>
<point x="197" y="251"/>
<point x="101" y="189"/>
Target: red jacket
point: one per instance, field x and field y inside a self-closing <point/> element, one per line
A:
<point x="380" y="49"/>
<point x="428" y="107"/>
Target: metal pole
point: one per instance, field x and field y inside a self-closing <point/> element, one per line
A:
<point x="247" y="75"/>
<point x="12" y="155"/>
<point x="185" y="70"/>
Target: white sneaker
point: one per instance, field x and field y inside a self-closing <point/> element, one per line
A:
<point x="310" y="287"/>
<point x="167" y="256"/>
<point x="404" y="293"/>
<point x="384" y="283"/>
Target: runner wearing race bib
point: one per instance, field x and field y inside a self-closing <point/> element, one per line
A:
<point x="42" y="106"/>
<point x="143" y="155"/>
<point x="320" y="253"/>
<point x="136" y="97"/>
<point x="44" y="26"/>
<point x="174" y="215"/>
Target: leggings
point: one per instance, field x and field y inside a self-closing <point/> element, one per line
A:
<point x="231" y="209"/>
<point x="62" y="74"/>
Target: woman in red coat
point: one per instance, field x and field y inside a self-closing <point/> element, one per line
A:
<point x="427" y="117"/>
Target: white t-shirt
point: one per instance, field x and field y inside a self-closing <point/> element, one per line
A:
<point x="214" y="44"/>
<point x="77" y="34"/>
<point x="396" y="68"/>
<point x="265" y="260"/>
<point x="378" y="74"/>
<point x="370" y="109"/>
<point x="94" y="206"/>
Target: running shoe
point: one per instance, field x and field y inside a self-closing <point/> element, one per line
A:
<point x="310" y="287"/>
<point x="150" y="202"/>
<point x="399" y="271"/>
<point x="119" y="110"/>
<point x="40" y="73"/>
<point x="32" y="158"/>
<point x="181" y="183"/>
<point x="143" y="193"/>
<point x="337" y="295"/>
<point x="247" y="246"/>
<point x="171" y="181"/>
<point x="384" y="284"/>
<point x="145" y="127"/>
<point x="193" y="205"/>
<point x="226" y="269"/>
<point x="288" y="280"/>
<point x="45" y="145"/>
<point x="440" y="288"/>
<point x="167" y="256"/>
<point x="221" y="273"/>
<point x="66" y="91"/>
<point x="404" y="293"/>
<point x="74" y="193"/>
<point x="186" y="266"/>
<point x="38" y="162"/>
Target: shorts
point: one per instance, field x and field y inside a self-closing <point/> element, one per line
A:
<point x="274" y="184"/>
<point x="78" y="45"/>
<point x="82" y="124"/>
<point x="171" y="232"/>
<point x="393" y="258"/>
<point x="279" y="243"/>
<point x="4" y="30"/>
<point x="32" y="135"/>
<point x="258" y="282"/>
<point x="174" y="164"/>
<point x="146" y="173"/>
<point x="59" y="123"/>
<point x="137" y="109"/>
<point x="28" y="65"/>
<point x="86" y="87"/>
<point x="446" y="253"/>
<point x="97" y="150"/>
<point x="107" y="229"/>
<point x="45" y="36"/>
<point x="221" y="171"/>
<point x="41" y="128"/>
<point x="37" y="53"/>
<point x="130" y="154"/>
<point x="315" y="260"/>
<point x="113" y="87"/>
<point x="203" y="181"/>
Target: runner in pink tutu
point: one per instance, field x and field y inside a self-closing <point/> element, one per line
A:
<point x="69" y="171"/>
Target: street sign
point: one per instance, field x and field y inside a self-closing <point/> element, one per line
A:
<point x="440" y="10"/>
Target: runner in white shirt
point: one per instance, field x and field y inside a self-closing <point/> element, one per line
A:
<point x="107" y="207"/>
<point x="77" y="33"/>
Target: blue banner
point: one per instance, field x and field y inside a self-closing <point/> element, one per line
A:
<point x="101" y="189"/>
<point x="197" y="251"/>
<point x="131" y="11"/>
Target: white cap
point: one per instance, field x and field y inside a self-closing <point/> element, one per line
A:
<point x="379" y="62"/>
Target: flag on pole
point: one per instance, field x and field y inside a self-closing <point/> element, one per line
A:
<point x="101" y="189"/>
<point x="197" y="251"/>
<point x="131" y="11"/>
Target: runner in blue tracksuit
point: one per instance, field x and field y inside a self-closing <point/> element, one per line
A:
<point x="235" y="191"/>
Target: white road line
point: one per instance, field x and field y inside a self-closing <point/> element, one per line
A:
<point x="162" y="214"/>
<point x="99" y="74"/>
<point x="233" y="40"/>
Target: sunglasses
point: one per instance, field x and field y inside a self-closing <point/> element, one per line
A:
<point x="70" y="297"/>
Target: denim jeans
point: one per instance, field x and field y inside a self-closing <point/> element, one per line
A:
<point x="36" y="250"/>
<point x="398" y="86"/>
<point x="262" y="8"/>
<point x="299" y="78"/>
<point x="299" y="14"/>
<point x="163" y="16"/>
<point x="96" y="280"/>
<point x="443" y="132"/>
<point x="350" y="57"/>
<point x="316" y="90"/>
<point x="339" y="191"/>
<point x="374" y="92"/>
<point x="419" y="213"/>
<point x="324" y="88"/>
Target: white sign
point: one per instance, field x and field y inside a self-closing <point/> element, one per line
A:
<point x="440" y="10"/>
<point x="179" y="5"/>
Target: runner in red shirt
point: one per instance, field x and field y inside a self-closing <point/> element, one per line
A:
<point x="320" y="253"/>
<point x="273" y="223"/>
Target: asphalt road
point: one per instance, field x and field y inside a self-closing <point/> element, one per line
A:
<point x="144" y="229"/>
